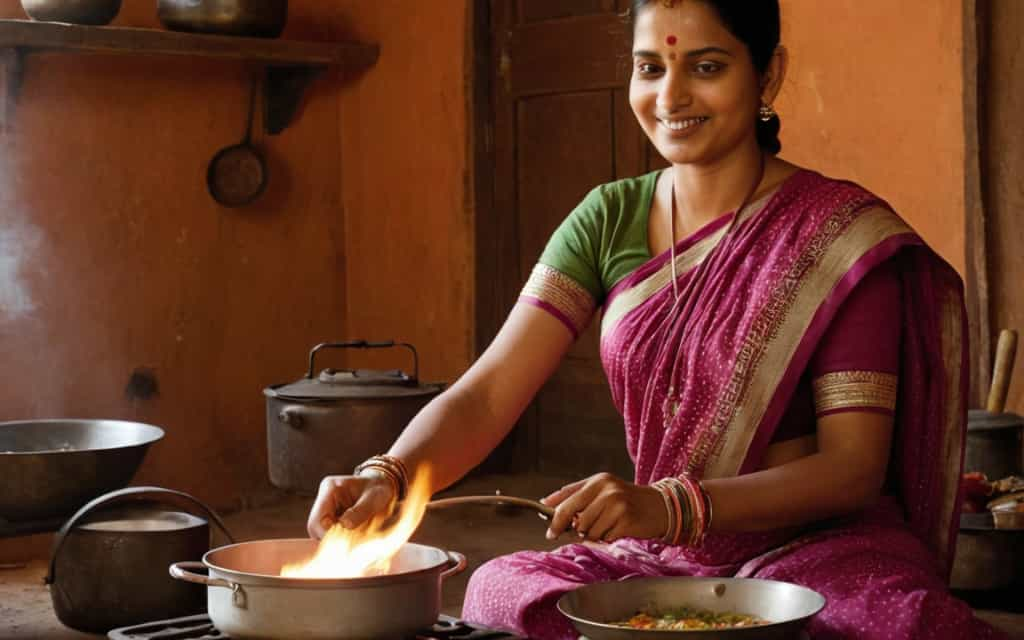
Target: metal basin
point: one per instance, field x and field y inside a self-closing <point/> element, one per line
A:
<point x="94" y="12"/>
<point x="50" y="468"/>
<point x="786" y="606"/>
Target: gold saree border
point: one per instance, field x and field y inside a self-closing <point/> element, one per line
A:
<point x="854" y="389"/>
<point x="574" y="304"/>
<point x="629" y="300"/>
<point x="775" y="335"/>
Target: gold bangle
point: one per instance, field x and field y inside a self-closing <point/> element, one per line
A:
<point x="390" y="467"/>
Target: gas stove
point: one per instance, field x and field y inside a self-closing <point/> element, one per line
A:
<point x="201" y="628"/>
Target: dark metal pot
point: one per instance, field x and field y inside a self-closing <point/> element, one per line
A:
<point x="258" y="18"/>
<point x="109" y="562"/>
<point x="94" y="12"/>
<point x="987" y="558"/>
<point x="994" y="444"/>
<point x="50" y="468"/>
<point x="326" y="425"/>
<point x="248" y="599"/>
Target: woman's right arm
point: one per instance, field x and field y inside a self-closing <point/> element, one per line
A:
<point x="457" y="429"/>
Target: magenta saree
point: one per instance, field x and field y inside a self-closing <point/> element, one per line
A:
<point x="703" y="382"/>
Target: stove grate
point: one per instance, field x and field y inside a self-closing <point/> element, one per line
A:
<point x="201" y="628"/>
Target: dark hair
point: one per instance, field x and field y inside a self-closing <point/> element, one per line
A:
<point x="756" y="24"/>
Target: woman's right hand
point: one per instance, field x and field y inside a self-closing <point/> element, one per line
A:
<point x="350" y="500"/>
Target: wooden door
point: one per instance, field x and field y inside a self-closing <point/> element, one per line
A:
<point x="561" y="125"/>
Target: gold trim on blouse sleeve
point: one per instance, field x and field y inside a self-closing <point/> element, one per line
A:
<point x="854" y="389"/>
<point x="561" y="295"/>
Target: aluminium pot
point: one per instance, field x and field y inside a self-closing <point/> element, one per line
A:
<point x="787" y="607"/>
<point x="92" y="12"/>
<point x="256" y="18"/>
<point x="107" y="567"/>
<point x="246" y="598"/>
<point x="326" y="424"/>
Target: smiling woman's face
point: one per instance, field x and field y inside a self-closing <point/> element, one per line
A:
<point x="694" y="88"/>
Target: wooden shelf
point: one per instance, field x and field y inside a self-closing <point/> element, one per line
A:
<point x="290" y="64"/>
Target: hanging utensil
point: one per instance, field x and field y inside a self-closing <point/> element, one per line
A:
<point x="237" y="175"/>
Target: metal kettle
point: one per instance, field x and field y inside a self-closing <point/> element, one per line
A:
<point x="108" y="566"/>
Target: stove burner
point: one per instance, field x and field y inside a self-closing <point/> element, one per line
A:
<point x="201" y="628"/>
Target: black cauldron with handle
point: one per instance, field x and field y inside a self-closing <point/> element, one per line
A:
<point x="327" y="423"/>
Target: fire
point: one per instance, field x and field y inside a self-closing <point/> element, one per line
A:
<point x="368" y="550"/>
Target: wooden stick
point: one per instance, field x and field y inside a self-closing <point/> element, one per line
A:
<point x="1006" y="352"/>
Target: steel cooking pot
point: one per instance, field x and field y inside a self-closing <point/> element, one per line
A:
<point x="327" y="424"/>
<point x="259" y="18"/>
<point x="786" y="606"/>
<point x="94" y="12"/>
<point x="246" y="598"/>
<point x="107" y="568"/>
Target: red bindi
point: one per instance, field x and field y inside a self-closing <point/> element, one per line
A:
<point x="671" y="40"/>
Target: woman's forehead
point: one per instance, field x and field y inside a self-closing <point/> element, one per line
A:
<point x="686" y="26"/>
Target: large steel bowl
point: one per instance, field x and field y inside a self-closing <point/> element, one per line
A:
<point x="94" y="12"/>
<point x="50" y="468"/>
<point x="787" y="607"/>
<point x="256" y="18"/>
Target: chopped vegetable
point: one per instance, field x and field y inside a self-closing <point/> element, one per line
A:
<point x="689" y="619"/>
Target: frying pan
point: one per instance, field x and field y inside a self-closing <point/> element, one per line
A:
<point x="786" y="606"/>
<point x="237" y="175"/>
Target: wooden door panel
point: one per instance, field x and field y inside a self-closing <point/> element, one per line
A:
<point x="565" y="148"/>
<point x="562" y="125"/>
<point x="539" y="10"/>
<point x="591" y="52"/>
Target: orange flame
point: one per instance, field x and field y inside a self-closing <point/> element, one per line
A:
<point x="368" y="550"/>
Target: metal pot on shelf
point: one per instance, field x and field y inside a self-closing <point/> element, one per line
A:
<point x="328" y="423"/>
<point x="92" y="12"/>
<point x="256" y="18"/>
<point x="108" y="567"/>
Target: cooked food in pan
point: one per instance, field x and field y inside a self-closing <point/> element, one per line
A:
<point x="689" y="618"/>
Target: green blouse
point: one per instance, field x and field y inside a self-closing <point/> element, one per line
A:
<point x="604" y="239"/>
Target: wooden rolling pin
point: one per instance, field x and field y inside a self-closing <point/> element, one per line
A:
<point x="1006" y="352"/>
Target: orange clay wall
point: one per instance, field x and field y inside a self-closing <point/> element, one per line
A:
<point x="113" y="257"/>
<point x="874" y="94"/>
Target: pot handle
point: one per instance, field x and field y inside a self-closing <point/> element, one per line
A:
<point x="458" y="564"/>
<point x="158" y="494"/>
<point x="363" y="344"/>
<point x="178" y="571"/>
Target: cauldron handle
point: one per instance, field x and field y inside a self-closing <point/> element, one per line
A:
<point x="363" y="344"/>
<point x="127" y="495"/>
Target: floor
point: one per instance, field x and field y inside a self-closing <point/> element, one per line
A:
<point x="479" y="532"/>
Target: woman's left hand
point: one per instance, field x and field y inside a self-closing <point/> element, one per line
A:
<point x="603" y="507"/>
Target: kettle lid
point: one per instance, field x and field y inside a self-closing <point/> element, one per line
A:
<point x="334" y="384"/>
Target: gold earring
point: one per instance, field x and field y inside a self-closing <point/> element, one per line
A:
<point x="766" y="112"/>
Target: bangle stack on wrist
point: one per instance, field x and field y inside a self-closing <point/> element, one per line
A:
<point x="689" y="510"/>
<point x="392" y="468"/>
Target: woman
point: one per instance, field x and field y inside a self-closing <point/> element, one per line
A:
<point x="789" y="359"/>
